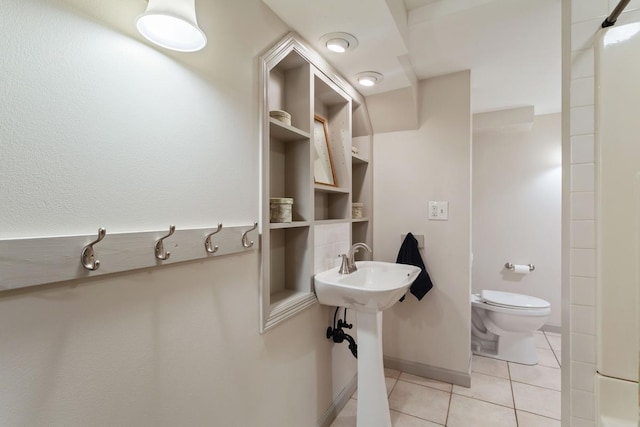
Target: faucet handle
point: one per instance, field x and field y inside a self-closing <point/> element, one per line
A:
<point x="344" y="267"/>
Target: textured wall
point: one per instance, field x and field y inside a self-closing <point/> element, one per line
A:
<point x="98" y="128"/>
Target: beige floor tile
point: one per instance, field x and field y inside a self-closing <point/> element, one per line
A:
<point x="487" y="388"/>
<point x="547" y="358"/>
<point x="404" y="420"/>
<point x="525" y="419"/>
<point x="466" y="412"/>
<point x="391" y="373"/>
<point x="419" y="401"/>
<point x="537" y="400"/>
<point x="541" y="376"/>
<point x="347" y="417"/>
<point x="489" y="366"/>
<point x="389" y="382"/>
<point x="427" y="382"/>
<point x="555" y="341"/>
<point x="541" y="340"/>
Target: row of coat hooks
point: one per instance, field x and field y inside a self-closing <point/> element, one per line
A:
<point x="88" y="254"/>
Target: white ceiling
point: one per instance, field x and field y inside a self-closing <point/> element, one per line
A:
<point x="512" y="47"/>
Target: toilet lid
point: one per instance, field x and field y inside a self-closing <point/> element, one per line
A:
<point x="509" y="299"/>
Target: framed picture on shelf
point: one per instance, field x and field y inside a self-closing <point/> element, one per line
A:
<point x="323" y="172"/>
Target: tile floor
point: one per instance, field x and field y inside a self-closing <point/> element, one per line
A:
<point x="501" y="395"/>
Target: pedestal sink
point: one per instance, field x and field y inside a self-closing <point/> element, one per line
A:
<point x="374" y="287"/>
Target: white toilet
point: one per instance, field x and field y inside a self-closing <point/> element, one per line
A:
<point x="502" y="325"/>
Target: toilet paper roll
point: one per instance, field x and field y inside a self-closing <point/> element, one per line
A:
<point x="521" y="269"/>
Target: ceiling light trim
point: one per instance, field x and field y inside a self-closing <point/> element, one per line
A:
<point x="347" y="41"/>
<point x="369" y="78"/>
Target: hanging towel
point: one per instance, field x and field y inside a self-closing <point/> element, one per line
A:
<point x="409" y="254"/>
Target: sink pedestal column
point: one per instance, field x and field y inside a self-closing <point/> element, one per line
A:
<point x="373" y="404"/>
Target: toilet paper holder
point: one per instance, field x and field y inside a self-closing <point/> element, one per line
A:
<point x="510" y="266"/>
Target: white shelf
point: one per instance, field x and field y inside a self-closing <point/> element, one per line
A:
<point x="294" y="224"/>
<point x="286" y="133"/>
<point x="357" y="160"/>
<point x="328" y="189"/>
<point x="360" y="220"/>
<point x="331" y="221"/>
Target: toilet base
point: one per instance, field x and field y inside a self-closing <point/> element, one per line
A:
<point x="517" y="348"/>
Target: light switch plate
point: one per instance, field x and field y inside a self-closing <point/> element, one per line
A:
<point x="438" y="210"/>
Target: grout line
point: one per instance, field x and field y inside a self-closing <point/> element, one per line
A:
<point x="446" y="420"/>
<point x="539" y="415"/>
<point x="552" y="349"/>
<point x="513" y="398"/>
<point x="534" y="385"/>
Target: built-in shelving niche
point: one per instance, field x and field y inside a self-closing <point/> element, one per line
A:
<point x="295" y="79"/>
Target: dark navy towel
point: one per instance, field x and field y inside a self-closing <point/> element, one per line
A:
<point x="410" y="254"/>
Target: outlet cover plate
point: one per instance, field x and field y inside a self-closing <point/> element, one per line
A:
<point x="438" y="210"/>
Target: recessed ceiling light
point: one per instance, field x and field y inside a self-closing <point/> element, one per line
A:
<point x="339" y="42"/>
<point x="369" y="78"/>
<point x="338" y="45"/>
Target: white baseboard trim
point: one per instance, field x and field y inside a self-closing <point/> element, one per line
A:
<point x="441" y="374"/>
<point x="336" y="406"/>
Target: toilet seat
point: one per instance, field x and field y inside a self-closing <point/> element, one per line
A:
<point x="513" y="300"/>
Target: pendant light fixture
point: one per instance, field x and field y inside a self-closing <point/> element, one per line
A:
<point x="172" y="24"/>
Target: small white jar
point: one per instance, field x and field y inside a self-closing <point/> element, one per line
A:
<point x="356" y="210"/>
<point x="280" y="209"/>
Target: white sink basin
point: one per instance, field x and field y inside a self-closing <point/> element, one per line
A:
<point x="375" y="286"/>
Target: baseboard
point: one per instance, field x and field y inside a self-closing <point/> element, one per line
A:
<point x="552" y="328"/>
<point x="336" y="406"/>
<point x="416" y="368"/>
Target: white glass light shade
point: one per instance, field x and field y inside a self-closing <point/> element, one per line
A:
<point x="369" y="78"/>
<point x="367" y="81"/>
<point x="338" y="45"/>
<point x="172" y="24"/>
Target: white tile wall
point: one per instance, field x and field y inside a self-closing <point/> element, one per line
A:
<point x="583" y="291"/>
<point x="582" y="63"/>
<point x="583" y="376"/>
<point x="582" y="404"/>
<point x="582" y="92"/>
<point x="583" y="348"/>
<point x="586" y="16"/>
<point x="583" y="205"/>
<point x="583" y="234"/>
<point x="330" y="241"/>
<point x="583" y="262"/>
<point x="584" y="10"/>
<point x="583" y="146"/>
<point x="583" y="319"/>
<point x="579" y="422"/>
<point x="583" y="33"/>
<point x="582" y="120"/>
<point x="582" y="177"/>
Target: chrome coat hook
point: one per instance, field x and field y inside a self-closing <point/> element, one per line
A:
<point x="161" y="254"/>
<point x="245" y="240"/>
<point x="207" y="241"/>
<point x="88" y="256"/>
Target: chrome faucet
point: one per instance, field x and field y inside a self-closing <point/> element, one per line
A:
<point x="348" y="265"/>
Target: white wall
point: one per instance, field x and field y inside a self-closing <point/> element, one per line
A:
<point x="517" y="183"/>
<point x="413" y="167"/>
<point x="98" y="128"/>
